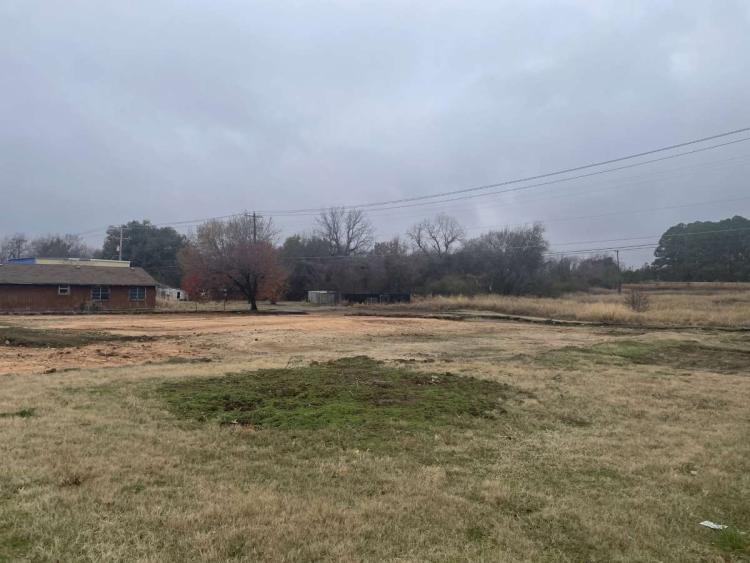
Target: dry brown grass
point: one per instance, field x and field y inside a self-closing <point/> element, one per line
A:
<point x="670" y="304"/>
<point x="689" y="286"/>
<point x="230" y="306"/>
<point x="197" y="306"/>
<point x="715" y="309"/>
<point x="613" y="451"/>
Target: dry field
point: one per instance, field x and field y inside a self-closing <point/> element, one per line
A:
<point x="327" y="437"/>
<point x="697" y="306"/>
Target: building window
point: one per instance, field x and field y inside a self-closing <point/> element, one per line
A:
<point x="100" y="293"/>
<point x="137" y="293"/>
<point x="63" y="290"/>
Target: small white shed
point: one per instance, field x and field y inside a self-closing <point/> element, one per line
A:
<point x="323" y="297"/>
<point x="172" y="294"/>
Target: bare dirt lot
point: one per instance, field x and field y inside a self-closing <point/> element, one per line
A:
<point x="263" y="340"/>
<point x="451" y="440"/>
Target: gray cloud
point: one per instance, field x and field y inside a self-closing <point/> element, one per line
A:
<point x="179" y="110"/>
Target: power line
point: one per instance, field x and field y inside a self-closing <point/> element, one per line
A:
<point x="545" y="221"/>
<point x="532" y="246"/>
<point x="615" y="213"/>
<point x="643" y="179"/>
<point x="674" y="235"/>
<point x="546" y="175"/>
<point x="600" y="250"/>
<point x="622" y="248"/>
<point x="103" y="230"/>
<point x="601" y="215"/>
<point x="466" y="193"/>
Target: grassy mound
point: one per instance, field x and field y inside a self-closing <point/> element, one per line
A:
<point x="343" y="394"/>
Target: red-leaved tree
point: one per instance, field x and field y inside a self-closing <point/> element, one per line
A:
<point x="236" y="256"/>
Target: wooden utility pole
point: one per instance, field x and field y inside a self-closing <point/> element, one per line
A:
<point x="119" y="248"/>
<point x="619" y="273"/>
<point x="255" y="229"/>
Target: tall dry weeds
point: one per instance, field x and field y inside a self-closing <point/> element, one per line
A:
<point x="716" y="309"/>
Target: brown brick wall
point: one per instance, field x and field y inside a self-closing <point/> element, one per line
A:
<point x="44" y="298"/>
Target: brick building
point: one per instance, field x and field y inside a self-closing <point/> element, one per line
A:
<point x="74" y="285"/>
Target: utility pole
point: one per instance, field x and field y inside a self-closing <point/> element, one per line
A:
<point x="619" y="273"/>
<point x="119" y="248"/>
<point x="255" y="229"/>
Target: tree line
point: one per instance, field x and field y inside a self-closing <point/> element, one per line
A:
<point x="243" y="257"/>
<point x="59" y="246"/>
<point x="700" y="251"/>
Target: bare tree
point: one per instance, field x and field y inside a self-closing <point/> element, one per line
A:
<point x="60" y="246"/>
<point x="14" y="246"/>
<point x="509" y="261"/>
<point x="237" y="254"/>
<point x="346" y="232"/>
<point x="439" y="236"/>
<point x="254" y="227"/>
<point x="393" y="247"/>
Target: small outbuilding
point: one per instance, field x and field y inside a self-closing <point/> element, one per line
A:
<point x="323" y="297"/>
<point x="166" y="293"/>
<point x="62" y="285"/>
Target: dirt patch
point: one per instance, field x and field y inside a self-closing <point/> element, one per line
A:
<point x="267" y="341"/>
<point x="107" y="354"/>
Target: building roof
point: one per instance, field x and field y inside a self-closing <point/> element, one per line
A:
<point x="59" y="274"/>
<point x="71" y="261"/>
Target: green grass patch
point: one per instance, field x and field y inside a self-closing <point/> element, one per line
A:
<point x="44" y="338"/>
<point x="182" y="360"/>
<point x="12" y="545"/>
<point x="15" y="540"/>
<point x="733" y="540"/>
<point x="347" y="394"/>
<point x="23" y="413"/>
<point x="476" y="534"/>
<point x="680" y="354"/>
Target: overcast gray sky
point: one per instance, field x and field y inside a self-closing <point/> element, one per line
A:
<point x="111" y="111"/>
